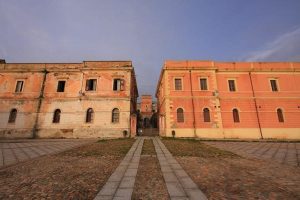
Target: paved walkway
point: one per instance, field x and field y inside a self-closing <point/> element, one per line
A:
<point x="120" y="185"/>
<point x="14" y="151"/>
<point x="285" y="153"/>
<point x="179" y="184"/>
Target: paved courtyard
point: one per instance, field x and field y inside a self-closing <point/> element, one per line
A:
<point x="14" y="151"/>
<point x="282" y="152"/>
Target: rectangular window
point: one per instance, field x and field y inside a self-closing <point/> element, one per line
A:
<point x="231" y="84"/>
<point x="61" y="86"/>
<point x="203" y="83"/>
<point x="178" y="84"/>
<point x="118" y="85"/>
<point x="19" y="86"/>
<point x="91" y="85"/>
<point x="274" y="85"/>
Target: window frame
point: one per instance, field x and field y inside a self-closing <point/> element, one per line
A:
<point x="206" y="120"/>
<point x="280" y="119"/>
<point x="235" y="84"/>
<point x="112" y="116"/>
<point x="200" y="86"/>
<point x="65" y="82"/>
<point x="86" y="85"/>
<point x="238" y="119"/>
<point x="121" y="82"/>
<point x="23" y="85"/>
<point x="276" y="84"/>
<point x="12" y="119"/>
<point x="181" y="82"/>
<point x="177" y="114"/>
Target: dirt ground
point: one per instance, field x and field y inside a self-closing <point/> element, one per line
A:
<point x="149" y="183"/>
<point x="75" y="174"/>
<point x="224" y="175"/>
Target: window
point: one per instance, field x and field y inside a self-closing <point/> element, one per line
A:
<point x="115" y="115"/>
<point x="19" y="86"/>
<point x="180" y="115"/>
<point x="203" y="83"/>
<point x="56" y="116"/>
<point x="231" y="84"/>
<point x="274" y="85"/>
<point x="61" y="86"/>
<point x="178" y="84"/>
<point x="280" y="115"/>
<point x="206" y="115"/>
<point x="236" y="117"/>
<point x="89" y="115"/>
<point x="91" y="85"/>
<point x="12" y="116"/>
<point x="118" y="85"/>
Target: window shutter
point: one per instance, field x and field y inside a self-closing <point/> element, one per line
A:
<point x="122" y="85"/>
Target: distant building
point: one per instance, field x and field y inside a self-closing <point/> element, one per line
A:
<point x="67" y="100"/>
<point x="147" y="109"/>
<point x="208" y="99"/>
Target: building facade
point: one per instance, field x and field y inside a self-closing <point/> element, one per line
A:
<point x="67" y="100"/>
<point x="208" y="99"/>
<point x="147" y="110"/>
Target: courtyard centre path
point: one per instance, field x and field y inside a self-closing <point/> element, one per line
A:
<point x="287" y="153"/>
<point x="19" y="150"/>
<point x="179" y="184"/>
<point x="120" y="185"/>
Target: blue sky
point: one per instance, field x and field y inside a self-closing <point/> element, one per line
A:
<point x="149" y="32"/>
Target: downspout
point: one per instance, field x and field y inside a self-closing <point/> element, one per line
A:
<point x="255" y="103"/>
<point x="35" y="128"/>
<point x="193" y="105"/>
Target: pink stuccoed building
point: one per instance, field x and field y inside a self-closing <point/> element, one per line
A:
<point x="208" y="99"/>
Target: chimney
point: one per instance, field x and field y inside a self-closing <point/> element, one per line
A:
<point x="2" y="61"/>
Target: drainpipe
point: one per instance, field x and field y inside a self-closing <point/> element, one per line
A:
<point x="253" y="93"/>
<point x="194" y="119"/>
<point x="34" y="131"/>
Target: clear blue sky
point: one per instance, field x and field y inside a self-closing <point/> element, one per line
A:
<point x="149" y="32"/>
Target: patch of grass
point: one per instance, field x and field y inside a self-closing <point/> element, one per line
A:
<point x="106" y="147"/>
<point x="148" y="147"/>
<point x="195" y="148"/>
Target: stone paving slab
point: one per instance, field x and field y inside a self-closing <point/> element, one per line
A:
<point x="285" y="153"/>
<point x="15" y="151"/>
<point x="121" y="183"/>
<point x="178" y="182"/>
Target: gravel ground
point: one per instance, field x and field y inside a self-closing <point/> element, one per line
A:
<point x="75" y="174"/>
<point x="149" y="183"/>
<point x="224" y="175"/>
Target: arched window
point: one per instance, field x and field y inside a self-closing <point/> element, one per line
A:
<point x="12" y="116"/>
<point x="56" y="116"/>
<point x="115" y="115"/>
<point x="89" y="115"/>
<point x="206" y="115"/>
<point x="280" y="115"/>
<point x="236" y="116"/>
<point x="180" y="115"/>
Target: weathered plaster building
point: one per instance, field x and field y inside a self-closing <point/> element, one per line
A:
<point x="69" y="100"/>
<point x="208" y="99"/>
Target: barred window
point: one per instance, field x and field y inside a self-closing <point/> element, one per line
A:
<point x="206" y="115"/>
<point x="12" y="116"/>
<point x="89" y="115"/>
<point x="203" y="83"/>
<point x="280" y="115"/>
<point x="56" y="116"/>
<point x="231" y="84"/>
<point x="178" y="84"/>
<point x="236" y="117"/>
<point x="115" y="115"/>
<point x="180" y="115"/>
